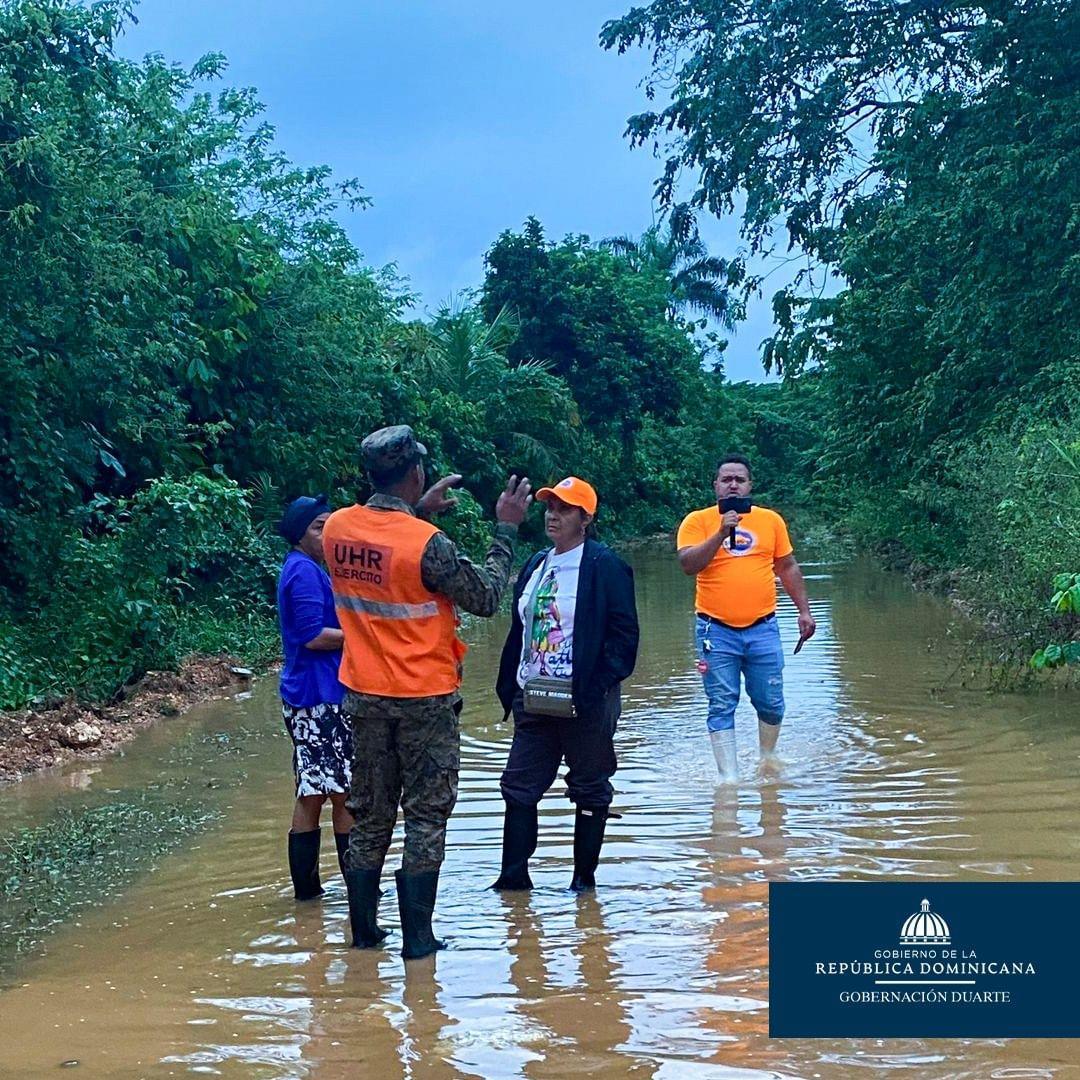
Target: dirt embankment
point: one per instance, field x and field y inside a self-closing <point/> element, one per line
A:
<point x="32" y="739"/>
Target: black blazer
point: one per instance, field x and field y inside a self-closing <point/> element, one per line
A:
<point x="605" y="629"/>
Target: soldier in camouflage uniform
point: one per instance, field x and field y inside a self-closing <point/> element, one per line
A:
<point x="398" y="581"/>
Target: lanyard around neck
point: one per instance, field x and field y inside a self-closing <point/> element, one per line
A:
<point x="530" y="607"/>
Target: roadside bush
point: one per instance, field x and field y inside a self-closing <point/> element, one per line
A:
<point x="176" y="568"/>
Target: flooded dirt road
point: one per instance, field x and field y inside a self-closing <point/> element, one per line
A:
<point x="207" y="967"/>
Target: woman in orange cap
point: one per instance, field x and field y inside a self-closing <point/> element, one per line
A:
<point x="573" y="639"/>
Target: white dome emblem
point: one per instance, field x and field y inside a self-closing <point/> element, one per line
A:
<point x="925" y="928"/>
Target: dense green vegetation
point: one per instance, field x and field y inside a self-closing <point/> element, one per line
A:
<point x="927" y="154"/>
<point x="188" y="338"/>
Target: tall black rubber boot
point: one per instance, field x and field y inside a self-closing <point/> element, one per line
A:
<point x="518" y="845"/>
<point x="363" y="888"/>
<point x="416" y="902"/>
<point x="341" y="839"/>
<point x="589" y="823"/>
<point x="304" y="864"/>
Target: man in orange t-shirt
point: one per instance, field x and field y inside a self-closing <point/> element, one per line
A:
<point x="736" y="560"/>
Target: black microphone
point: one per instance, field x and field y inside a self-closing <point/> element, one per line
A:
<point x="741" y="505"/>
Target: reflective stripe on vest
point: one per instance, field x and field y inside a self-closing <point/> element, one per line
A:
<point x="386" y="610"/>
<point x="400" y="638"/>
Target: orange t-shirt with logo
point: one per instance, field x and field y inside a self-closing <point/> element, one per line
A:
<point x="738" y="587"/>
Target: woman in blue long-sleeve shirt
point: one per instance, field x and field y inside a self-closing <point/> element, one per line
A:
<point x="311" y="694"/>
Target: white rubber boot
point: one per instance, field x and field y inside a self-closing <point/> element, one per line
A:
<point x="723" y="748"/>
<point x="768" y="734"/>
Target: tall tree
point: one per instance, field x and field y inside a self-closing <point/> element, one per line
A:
<point x="521" y="412"/>
<point x="782" y="102"/>
<point x="600" y="322"/>
<point x="698" y="283"/>
<point x="797" y="108"/>
<point x="174" y="295"/>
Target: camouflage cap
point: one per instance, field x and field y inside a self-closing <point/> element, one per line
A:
<point x="389" y="447"/>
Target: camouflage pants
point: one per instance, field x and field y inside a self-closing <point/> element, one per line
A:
<point x="405" y="751"/>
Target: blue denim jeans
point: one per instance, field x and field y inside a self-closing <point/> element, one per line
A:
<point x="755" y="653"/>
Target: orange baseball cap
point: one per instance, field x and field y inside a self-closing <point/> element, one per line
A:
<point x="573" y="491"/>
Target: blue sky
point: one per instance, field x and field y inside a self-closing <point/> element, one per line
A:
<point x="459" y="118"/>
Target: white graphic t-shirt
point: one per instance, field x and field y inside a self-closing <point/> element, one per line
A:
<point x="552" y="588"/>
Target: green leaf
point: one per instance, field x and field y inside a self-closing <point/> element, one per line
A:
<point x="112" y="462"/>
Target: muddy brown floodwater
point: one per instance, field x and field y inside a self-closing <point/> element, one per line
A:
<point x="207" y="967"/>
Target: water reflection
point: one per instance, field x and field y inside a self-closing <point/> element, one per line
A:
<point x="207" y="967"/>
<point x="562" y="972"/>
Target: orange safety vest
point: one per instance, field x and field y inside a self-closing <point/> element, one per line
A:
<point x="400" y="638"/>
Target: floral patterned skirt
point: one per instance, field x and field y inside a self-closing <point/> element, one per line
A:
<point x="322" y="748"/>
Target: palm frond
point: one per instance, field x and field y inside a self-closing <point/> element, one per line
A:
<point x="707" y="266"/>
<point x="533" y="364"/>
<point x="532" y="451"/>
<point x="621" y="245"/>
<point x="709" y="299"/>
<point x="682" y="223"/>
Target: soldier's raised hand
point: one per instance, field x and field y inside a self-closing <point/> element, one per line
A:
<point x="435" y="500"/>
<point x="514" y="502"/>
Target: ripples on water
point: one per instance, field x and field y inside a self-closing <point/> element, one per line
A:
<point x="208" y="968"/>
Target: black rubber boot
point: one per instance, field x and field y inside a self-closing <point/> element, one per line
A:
<point x="342" y="841"/>
<point x="416" y="902"/>
<point x="304" y="864"/>
<point x="363" y="888"/>
<point x="518" y="844"/>
<point x="589" y="825"/>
